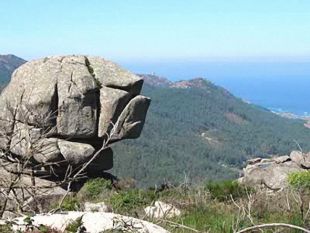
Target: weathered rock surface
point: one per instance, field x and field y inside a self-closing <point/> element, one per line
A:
<point x="96" y="207"/>
<point x="301" y="159"/>
<point x="110" y="75"/>
<point x="272" y="173"/>
<point x="161" y="210"/>
<point x="112" y="103"/>
<point x="46" y="192"/>
<point x="74" y="152"/>
<point x="60" y="109"/>
<point x="91" y="222"/>
<point x="131" y="120"/>
<point x="282" y="159"/>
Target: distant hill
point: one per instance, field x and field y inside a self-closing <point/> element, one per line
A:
<point x="200" y="130"/>
<point x="155" y="81"/>
<point x="8" y="63"/>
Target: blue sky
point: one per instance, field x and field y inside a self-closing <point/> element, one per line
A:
<point x="156" y="30"/>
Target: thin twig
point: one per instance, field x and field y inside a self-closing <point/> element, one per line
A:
<point x="181" y="226"/>
<point x="271" y="225"/>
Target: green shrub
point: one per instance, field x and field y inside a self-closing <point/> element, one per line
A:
<point x="75" y="225"/>
<point x="299" y="180"/>
<point x="224" y="190"/>
<point x="127" y="201"/>
<point x="28" y="220"/>
<point x="44" y="229"/>
<point x="93" y="188"/>
<point x="5" y="229"/>
<point x="70" y="203"/>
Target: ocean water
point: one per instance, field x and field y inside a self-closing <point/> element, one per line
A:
<point x="282" y="86"/>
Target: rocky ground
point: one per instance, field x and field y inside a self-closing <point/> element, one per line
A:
<point x="219" y="207"/>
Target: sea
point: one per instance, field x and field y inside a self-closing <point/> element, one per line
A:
<point x="281" y="86"/>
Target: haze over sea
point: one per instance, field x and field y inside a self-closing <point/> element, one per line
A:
<point x="281" y="86"/>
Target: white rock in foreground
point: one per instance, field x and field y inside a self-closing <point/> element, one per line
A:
<point x="162" y="210"/>
<point x="92" y="222"/>
<point x="97" y="222"/>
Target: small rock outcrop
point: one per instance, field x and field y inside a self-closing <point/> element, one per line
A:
<point x="161" y="210"/>
<point x="272" y="173"/>
<point x="57" y="111"/>
<point x="96" y="207"/>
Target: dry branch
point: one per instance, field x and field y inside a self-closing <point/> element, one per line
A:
<point x="273" y="225"/>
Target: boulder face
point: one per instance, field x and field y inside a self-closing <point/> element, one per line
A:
<point x="60" y="109"/>
<point x="272" y="173"/>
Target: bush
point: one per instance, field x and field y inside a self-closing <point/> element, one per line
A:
<point x="5" y="229"/>
<point x="70" y="203"/>
<point x="127" y="201"/>
<point x="93" y="188"/>
<point x="299" y="180"/>
<point x="222" y="190"/>
<point x="74" y="225"/>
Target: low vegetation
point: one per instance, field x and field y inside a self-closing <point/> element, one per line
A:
<point x="95" y="189"/>
<point x="227" y="189"/>
<point x="217" y="207"/>
<point x="5" y="229"/>
<point x="300" y="180"/>
<point x="74" y="226"/>
<point x="70" y="203"/>
<point x="131" y="201"/>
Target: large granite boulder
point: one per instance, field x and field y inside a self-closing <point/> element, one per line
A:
<point x="60" y="109"/>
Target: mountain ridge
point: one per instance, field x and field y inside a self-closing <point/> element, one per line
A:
<point x="158" y="81"/>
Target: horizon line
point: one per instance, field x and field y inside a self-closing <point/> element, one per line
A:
<point x="147" y="59"/>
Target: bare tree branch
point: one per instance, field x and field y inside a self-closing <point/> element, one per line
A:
<point x="273" y="225"/>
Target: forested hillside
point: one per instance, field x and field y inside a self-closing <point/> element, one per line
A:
<point x="200" y="130"/>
